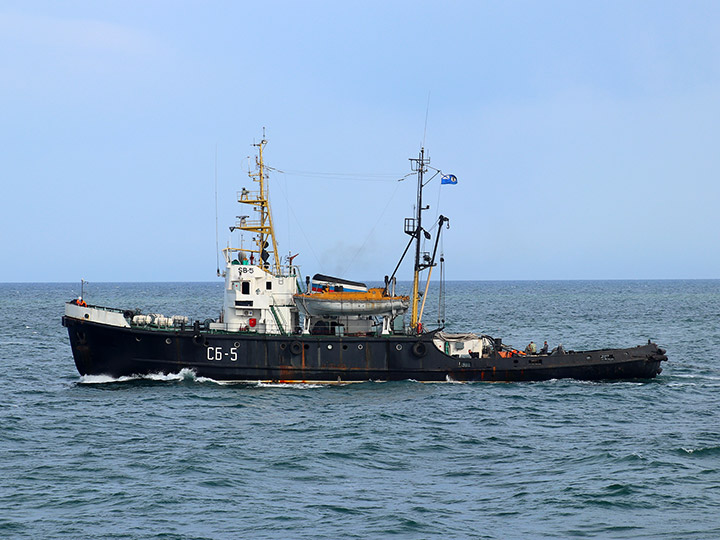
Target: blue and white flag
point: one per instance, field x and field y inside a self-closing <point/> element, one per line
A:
<point x="449" y="179"/>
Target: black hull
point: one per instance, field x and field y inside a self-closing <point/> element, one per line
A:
<point x="100" y="349"/>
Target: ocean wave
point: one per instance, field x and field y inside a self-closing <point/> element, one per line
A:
<point x="702" y="451"/>
<point x="695" y="376"/>
<point x="104" y="379"/>
<point x="184" y="374"/>
<point x="302" y="386"/>
<point x="189" y="375"/>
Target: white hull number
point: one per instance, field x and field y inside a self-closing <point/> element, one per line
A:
<point x="217" y="354"/>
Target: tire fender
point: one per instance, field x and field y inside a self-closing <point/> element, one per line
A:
<point x="419" y="349"/>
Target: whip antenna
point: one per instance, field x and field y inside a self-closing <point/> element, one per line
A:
<point x="427" y="110"/>
<point x="217" y="241"/>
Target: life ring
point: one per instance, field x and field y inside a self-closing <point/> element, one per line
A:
<point x="419" y="349"/>
<point x="295" y="347"/>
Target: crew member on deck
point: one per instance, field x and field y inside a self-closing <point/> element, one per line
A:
<point x="544" y="349"/>
<point x="531" y="348"/>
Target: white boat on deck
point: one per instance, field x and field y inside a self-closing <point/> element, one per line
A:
<point x="344" y="303"/>
<point x="329" y="296"/>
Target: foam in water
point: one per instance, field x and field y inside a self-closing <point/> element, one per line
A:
<point x="104" y="379"/>
<point x="303" y="386"/>
<point x="187" y="374"/>
<point x="702" y="450"/>
<point x="184" y="374"/>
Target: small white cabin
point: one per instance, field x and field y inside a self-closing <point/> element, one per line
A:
<point x="257" y="300"/>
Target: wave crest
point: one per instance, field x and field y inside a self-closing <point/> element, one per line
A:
<point x="185" y="374"/>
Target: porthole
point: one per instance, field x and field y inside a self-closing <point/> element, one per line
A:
<point x="168" y="340"/>
<point x="360" y="347"/>
<point x="344" y="347"/>
<point x="138" y="338"/>
<point x="306" y="346"/>
<point x="87" y="315"/>
<point x="398" y="347"/>
<point x="236" y="344"/>
<point x="282" y="346"/>
<point x="329" y="346"/>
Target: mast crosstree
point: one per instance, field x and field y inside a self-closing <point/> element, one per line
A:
<point x="263" y="225"/>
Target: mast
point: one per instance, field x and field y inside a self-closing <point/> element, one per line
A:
<point x="413" y="227"/>
<point x="263" y="227"/>
<point x="419" y="165"/>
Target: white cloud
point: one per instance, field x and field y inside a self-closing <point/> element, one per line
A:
<point x="80" y="34"/>
<point x="46" y="58"/>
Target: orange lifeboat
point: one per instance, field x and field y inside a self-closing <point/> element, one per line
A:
<point x="337" y="303"/>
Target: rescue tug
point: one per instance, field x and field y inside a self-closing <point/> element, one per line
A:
<point x="332" y="331"/>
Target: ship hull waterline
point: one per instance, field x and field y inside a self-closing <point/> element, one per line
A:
<point x="100" y="349"/>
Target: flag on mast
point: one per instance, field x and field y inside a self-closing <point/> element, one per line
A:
<point x="449" y="179"/>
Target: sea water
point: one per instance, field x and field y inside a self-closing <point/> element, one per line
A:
<point x="177" y="457"/>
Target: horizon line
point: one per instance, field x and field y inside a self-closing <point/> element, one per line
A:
<point x="380" y="281"/>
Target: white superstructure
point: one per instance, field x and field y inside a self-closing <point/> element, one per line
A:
<point x="257" y="299"/>
<point x="258" y="289"/>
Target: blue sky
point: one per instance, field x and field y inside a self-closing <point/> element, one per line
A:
<point x="584" y="135"/>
